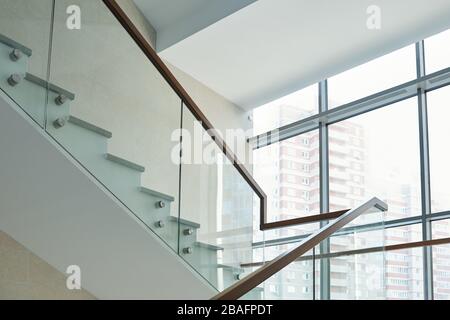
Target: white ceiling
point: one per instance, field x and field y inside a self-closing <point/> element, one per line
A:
<point x="260" y="51"/>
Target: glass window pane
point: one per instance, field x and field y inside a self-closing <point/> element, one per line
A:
<point x="392" y="275"/>
<point x="441" y="261"/>
<point x="441" y="229"/>
<point x="403" y="234"/>
<point x="439" y="131"/>
<point x="374" y="76"/>
<point x="286" y="110"/>
<point x="288" y="172"/>
<point x="377" y="154"/>
<point x="441" y="272"/>
<point x="297" y="281"/>
<point x="404" y="274"/>
<point x="357" y="277"/>
<point x="437" y="52"/>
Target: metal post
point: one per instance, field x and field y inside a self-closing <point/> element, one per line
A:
<point x="324" y="191"/>
<point x="424" y="174"/>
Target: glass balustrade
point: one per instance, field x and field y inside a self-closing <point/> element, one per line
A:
<point x="343" y="262"/>
<point x="98" y="96"/>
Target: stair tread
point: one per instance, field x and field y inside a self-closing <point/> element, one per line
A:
<point x="89" y="126"/>
<point x="185" y="222"/>
<point x="16" y="45"/>
<point x="125" y="162"/>
<point x="157" y="194"/>
<point x="50" y="86"/>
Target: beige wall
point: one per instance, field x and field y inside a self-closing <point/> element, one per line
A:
<point x="23" y="275"/>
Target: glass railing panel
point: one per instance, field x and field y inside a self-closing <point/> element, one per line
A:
<point x="358" y="276"/>
<point x="302" y="278"/>
<point x="377" y="275"/>
<point x="404" y="274"/>
<point x="290" y="234"/>
<point x="295" y="282"/>
<point x="299" y="280"/>
<point x="441" y="272"/>
<point x="24" y="49"/>
<point x="441" y="260"/>
<point x="122" y="121"/>
<point x="220" y="203"/>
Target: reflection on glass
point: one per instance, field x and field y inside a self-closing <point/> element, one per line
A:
<point x="297" y="281"/>
<point x="286" y="110"/>
<point x="374" y="76"/>
<point x="121" y="121"/>
<point x="437" y="52"/>
<point x="376" y="154"/>
<point x="441" y="272"/>
<point x="391" y="275"/>
<point x="358" y="276"/>
<point x="439" y="131"/>
<point x="404" y="274"/>
<point x="288" y="172"/>
<point x="219" y="202"/>
<point x="25" y="28"/>
<point x="403" y="234"/>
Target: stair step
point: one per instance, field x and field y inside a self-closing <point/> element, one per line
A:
<point x="89" y="126"/>
<point x="185" y="222"/>
<point x="208" y="246"/>
<point x="16" y="45"/>
<point x="157" y="194"/>
<point x="47" y="85"/>
<point x="124" y="162"/>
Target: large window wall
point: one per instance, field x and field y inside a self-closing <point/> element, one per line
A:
<point x="379" y="129"/>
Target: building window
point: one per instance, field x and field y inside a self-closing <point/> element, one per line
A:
<point x="273" y="288"/>
<point x="291" y="289"/>
<point x="291" y="178"/>
<point x="291" y="192"/>
<point x="305" y="195"/>
<point x="291" y="275"/>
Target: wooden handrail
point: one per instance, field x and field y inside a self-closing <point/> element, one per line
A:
<point x="392" y="247"/>
<point x="308" y="219"/>
<point x="151" y="54"/>
<point x="257" y="277"/>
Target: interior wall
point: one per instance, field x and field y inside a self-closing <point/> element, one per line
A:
<point x="23" y="275"/>
<point x="220" y="111"/>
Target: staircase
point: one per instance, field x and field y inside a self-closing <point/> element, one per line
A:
<point x="88" y="144"/>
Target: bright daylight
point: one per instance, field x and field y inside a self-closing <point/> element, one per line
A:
<point x="228" y="156"/>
